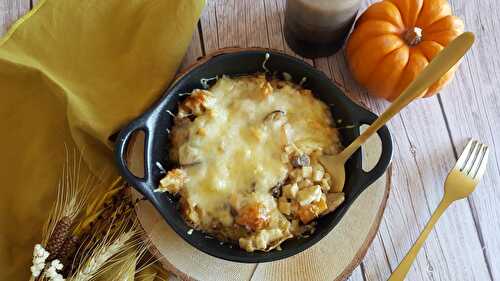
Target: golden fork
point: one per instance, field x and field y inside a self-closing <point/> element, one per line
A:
<point x="461" y="181"/>
<point x="438" y="66"/>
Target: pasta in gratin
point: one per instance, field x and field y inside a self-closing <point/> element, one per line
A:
<point x="247" y="151"/>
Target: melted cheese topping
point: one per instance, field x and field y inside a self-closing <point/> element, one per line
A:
<point x="238" y="144"/>
<point x="237" y="148"/>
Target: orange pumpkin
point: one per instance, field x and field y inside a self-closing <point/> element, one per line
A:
<point x="394" y="40"/>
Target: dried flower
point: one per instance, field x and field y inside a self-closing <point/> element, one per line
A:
<point x="40" y="255"/>
<point x="52" y="273"/>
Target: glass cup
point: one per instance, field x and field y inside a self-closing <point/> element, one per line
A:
<point x="318" y="28"/>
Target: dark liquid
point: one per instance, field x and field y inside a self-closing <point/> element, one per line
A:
<point x="313" y="32"/>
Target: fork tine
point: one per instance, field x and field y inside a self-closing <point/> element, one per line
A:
<point x="483" y="160"/>
<point x="464" y="156"/>
<point x="472" y="157"/>
<point x="476" y="160"/>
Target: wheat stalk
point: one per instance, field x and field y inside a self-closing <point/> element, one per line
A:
<point x="133" y="261"/>
<point x="130" y="264"/>
<point x="108" y="243"/>
<point x="72" y="194"/>
<point x="101" y="256"/>
<point x="97" y="233"/>
<point x="152" y="271"/>
<point x="126" y="269"/>
<point x="97" y="207"/>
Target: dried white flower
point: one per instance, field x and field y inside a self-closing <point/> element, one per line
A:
<point x="40" y="255"/>
<point x="51" y="272"/>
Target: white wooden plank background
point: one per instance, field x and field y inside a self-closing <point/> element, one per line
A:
<point x="428" y="136"/>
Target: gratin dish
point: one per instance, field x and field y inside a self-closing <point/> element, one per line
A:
<point x="155" y="124"/>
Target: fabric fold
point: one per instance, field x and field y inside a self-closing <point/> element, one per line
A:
<point x="73" y="72"/>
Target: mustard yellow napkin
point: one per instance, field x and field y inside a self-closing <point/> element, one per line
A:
<point x="73" y="72"/>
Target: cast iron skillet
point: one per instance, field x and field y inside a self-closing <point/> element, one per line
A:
<point x="155" y="122"/>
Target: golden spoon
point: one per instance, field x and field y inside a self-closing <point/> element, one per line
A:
<point x="439" y="66"/>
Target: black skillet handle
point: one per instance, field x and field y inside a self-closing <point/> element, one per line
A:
<point x="143" y="185"/>
<point x="380" y="168"/>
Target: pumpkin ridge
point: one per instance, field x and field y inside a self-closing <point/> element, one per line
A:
<point x="368" y="16"/>
<point x="385" y="56"/>
<point x="431" y="28"/>
<point x="364" y="29"/>
<point x="423" y="53"/>
<point x="399" y="12"/>
<point x="426" y="22"/>
<point x="409" y="15"/>
<point x="431" y="23"/>
<point x="358" y="58"/>
<point x="399" y="84"/>
<point x="385" y="21"/>
<point x="388" y="94"/>
<point x="418" y="14"/>
<point x="443" y="37"/>
<point x="353" y="51"/>
<point x="433" y="42"/>
<point x="398" y="8"/>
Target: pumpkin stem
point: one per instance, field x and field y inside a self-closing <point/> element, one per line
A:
<point x="413" y="36"/>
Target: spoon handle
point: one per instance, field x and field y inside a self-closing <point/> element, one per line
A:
<point x="400" y="272"/>
<point x="438" y="67"/>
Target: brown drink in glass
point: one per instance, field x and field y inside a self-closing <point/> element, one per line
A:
<point x="318" y="28"/>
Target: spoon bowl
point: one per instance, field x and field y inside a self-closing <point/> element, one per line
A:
<point x="438" y="67"/>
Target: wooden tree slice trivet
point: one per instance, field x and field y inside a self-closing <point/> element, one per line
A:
<point x="333" y="258"/>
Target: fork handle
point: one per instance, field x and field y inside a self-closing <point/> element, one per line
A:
<point x="405" y="265"/>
